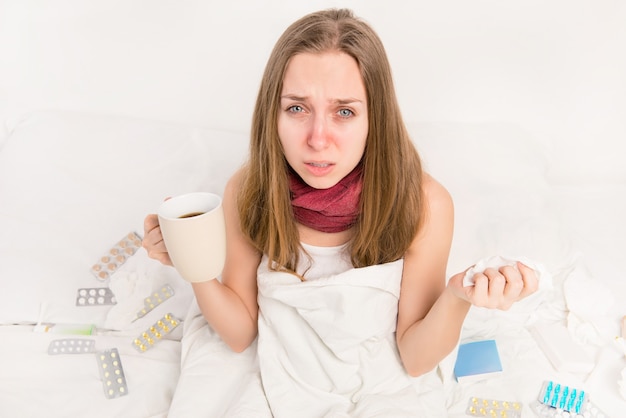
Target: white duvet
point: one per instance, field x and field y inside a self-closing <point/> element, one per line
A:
<point x="326" y="348"/>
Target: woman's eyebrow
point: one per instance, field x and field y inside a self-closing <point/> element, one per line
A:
<point x="346" y="101"/>
<point x="293" y="97"/>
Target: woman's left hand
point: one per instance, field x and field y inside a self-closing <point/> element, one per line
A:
<point x="497" y="288"/>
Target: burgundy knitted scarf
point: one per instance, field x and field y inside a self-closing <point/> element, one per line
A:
<point x="327" y="210"/>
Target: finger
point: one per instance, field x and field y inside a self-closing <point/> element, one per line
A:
<point x="530" y="279"/>
<point x="164" y="258"/>
<point x="496" y="285"/>
<point x="512" y="289"/>
<point x="150" y="222"/>
<point x="479" y="293"/>
<point x="514" y="283"/>
<point x="153" y="238"/>
<point x="158" y="252"/>
<point x="457" y="279"/>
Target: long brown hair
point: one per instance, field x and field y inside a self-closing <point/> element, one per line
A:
<point x="391" y="201"/>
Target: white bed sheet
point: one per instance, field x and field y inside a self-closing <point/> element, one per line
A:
<point x="594" y="214"/>
<point x="36" y="384"/>
<point x="213" y="378"/>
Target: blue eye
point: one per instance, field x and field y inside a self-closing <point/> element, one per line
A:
<point x="345" y="113"/>
<point x="295" y="108"/>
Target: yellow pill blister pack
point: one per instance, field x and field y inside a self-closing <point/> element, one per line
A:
<point x="480" y="407"/>
<point x="116" y="256"/>
<point x="155" y="299"/>
<point x="156" y="332"/>
<point x="112" y="373"/>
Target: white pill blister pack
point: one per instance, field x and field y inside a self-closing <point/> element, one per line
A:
<point x="95" y="296"/>
<point x="71" y="346"/>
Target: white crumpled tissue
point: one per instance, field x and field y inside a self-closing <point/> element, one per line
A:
<point x="500" y="261"/>
<point x="589" y="302"/>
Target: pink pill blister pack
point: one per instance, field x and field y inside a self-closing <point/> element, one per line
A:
<point x="116" y="256"/>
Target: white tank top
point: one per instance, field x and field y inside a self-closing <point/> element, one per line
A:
<point x="324" y="262"/>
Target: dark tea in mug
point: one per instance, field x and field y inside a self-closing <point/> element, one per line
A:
<point x="191" y="215"/>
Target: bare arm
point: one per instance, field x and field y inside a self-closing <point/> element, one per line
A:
<point x="431" y="314"/>
<point x="230" y="307"/>
<point x="429" y="317"/>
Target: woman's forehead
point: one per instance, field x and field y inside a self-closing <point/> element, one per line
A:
<point x="333" y="74"/>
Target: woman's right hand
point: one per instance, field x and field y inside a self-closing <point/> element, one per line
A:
<point x="153" y="240"/>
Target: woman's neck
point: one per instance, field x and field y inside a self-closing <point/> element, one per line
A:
<point x="323" y="239"/>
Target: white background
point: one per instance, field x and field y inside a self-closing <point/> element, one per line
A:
<point x="555" y="69"/>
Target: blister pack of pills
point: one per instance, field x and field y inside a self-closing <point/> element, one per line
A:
<point x="112" y="373"/>
<point x="155" y="299"/>
<point x="156" y="332"/>
<point x="562" y="397"/>
<point x="71" y="346"/>
<point x="95" y="296"/>
<point x="557" y="400"/>
<point x="481" y="407"/>
<point x="116" y="256"/>
<point x="589" y="410"/>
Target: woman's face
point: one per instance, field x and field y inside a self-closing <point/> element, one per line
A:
<point x="322" y="123"/>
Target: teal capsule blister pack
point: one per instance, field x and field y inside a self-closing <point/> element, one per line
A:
<point x="562" y="397"/>
<point x="556" y="400"/>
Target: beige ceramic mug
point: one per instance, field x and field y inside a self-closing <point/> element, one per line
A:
<point x="193" y="230"/>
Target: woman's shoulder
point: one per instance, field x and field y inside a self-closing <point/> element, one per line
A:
<point x="235" y="179"/>
<point x="438" y="220"/>
<point x="234" y="182"/>
<point x="231" y="190"/>
<point x="435" y="193"/>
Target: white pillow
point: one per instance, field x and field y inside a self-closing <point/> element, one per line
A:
<point x="72" y="185"/>
<point x="496" y="174"/>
